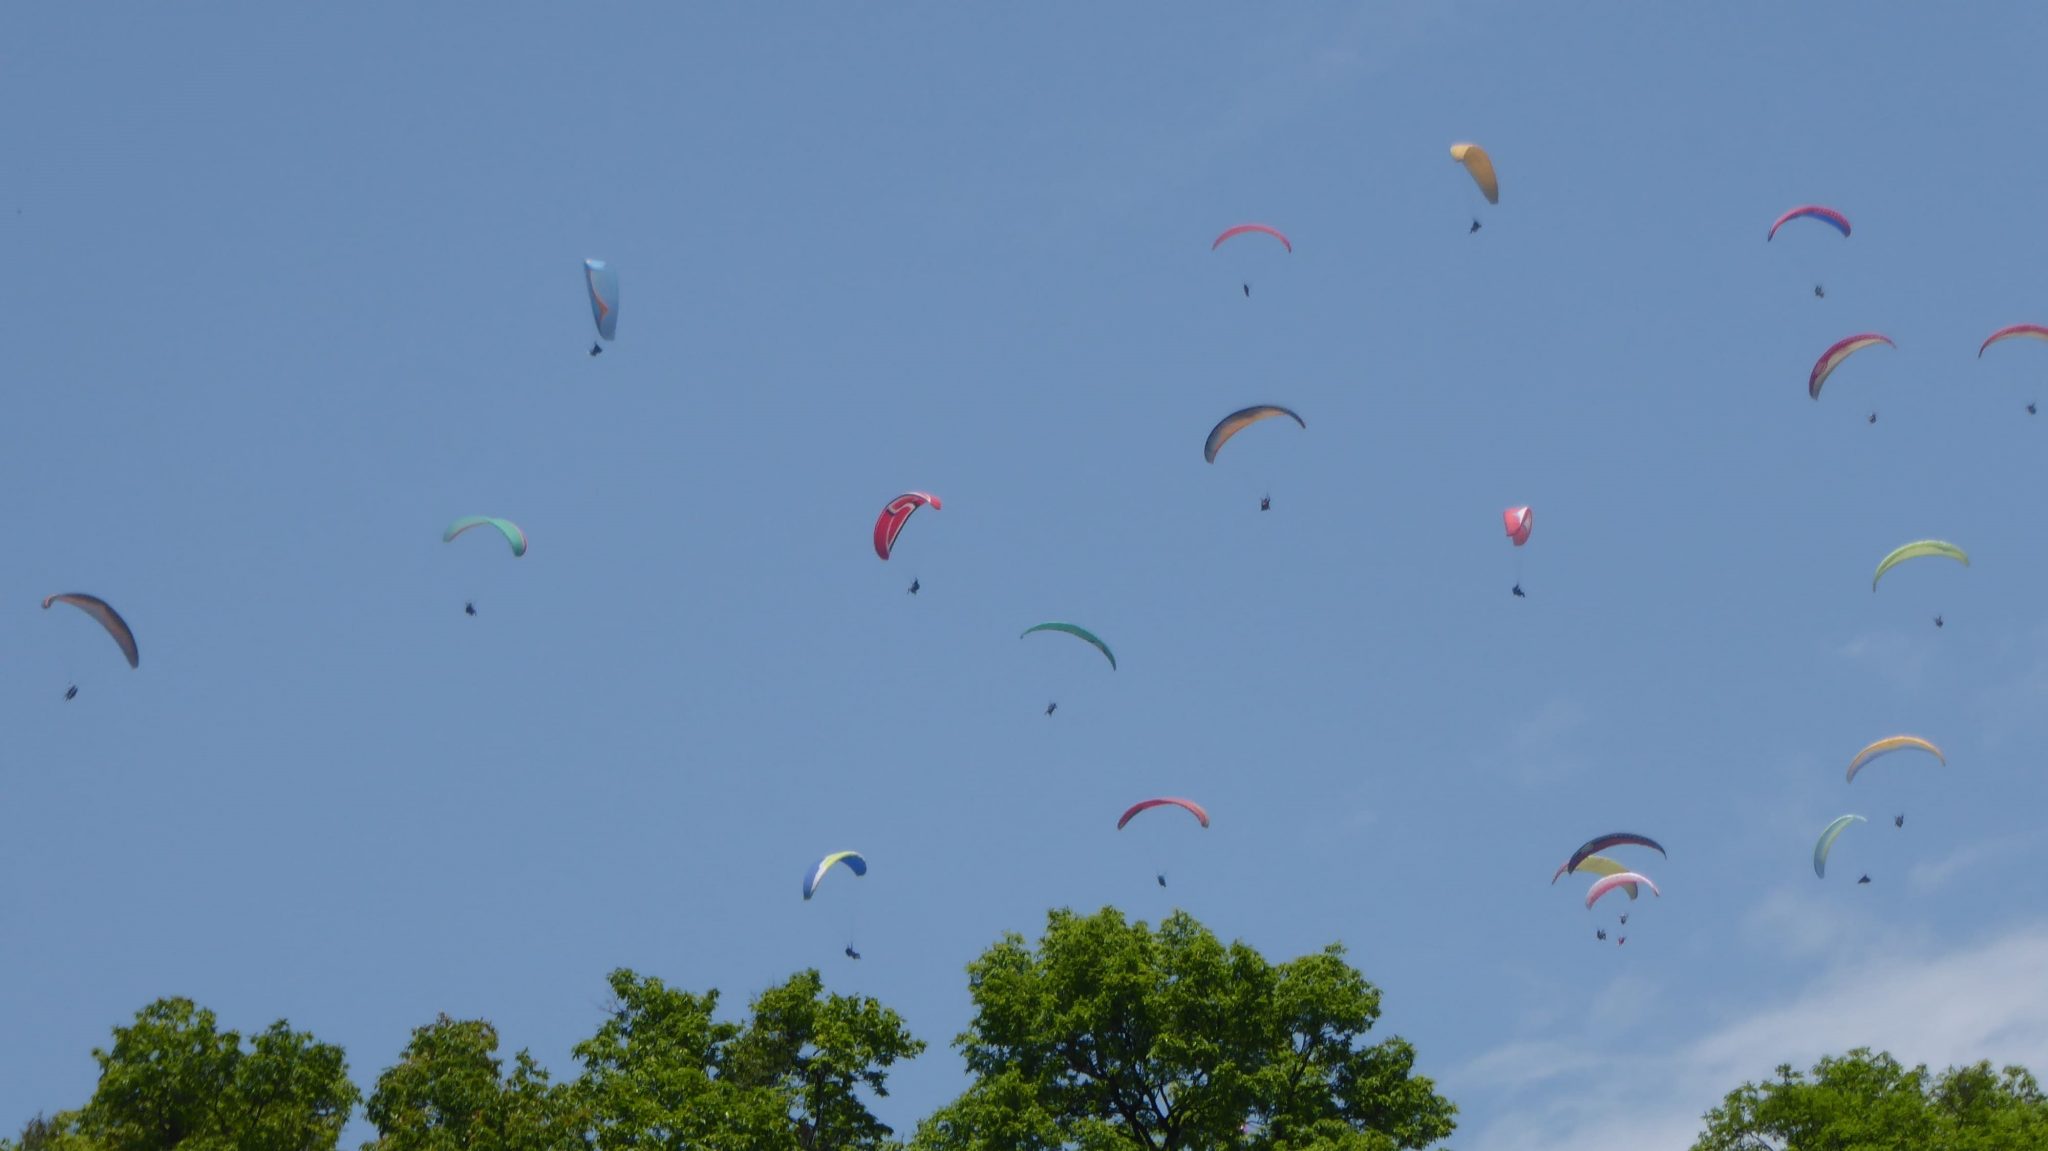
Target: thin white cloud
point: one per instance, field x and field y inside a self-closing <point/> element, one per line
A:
<point x="1983" y="1001"/>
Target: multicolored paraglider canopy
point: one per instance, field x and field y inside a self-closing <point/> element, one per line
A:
<point x="2015" y="332"/>
<point x="1833" y="357"/>
<point x="1238" y="421"/>
<point x="1918" y="549"/>
<point x="1619" y="879"/>
<point x="1886" y="746"/>
<point x="1828" y="835"/>
<point x="108" y="618"/>
<point x="1828" y="216"/>
<point x="890" y="523"/>
<point x="816" y="875"/>
<point x="603" y="281"/>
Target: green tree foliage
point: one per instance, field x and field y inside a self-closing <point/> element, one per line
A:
<point x="448" y="1092"/>
<point x="1113" y="1036"/>
<point x="664" y="1072"/>
<point x="175" y="1081"/>
<point x="1865" y="1102"/>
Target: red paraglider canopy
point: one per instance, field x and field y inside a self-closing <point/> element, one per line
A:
<point x="1241" y="229"/>
<point x="1518" y="521"/>
<point x="890" y="523"/>
<point x="1166" y="801"/>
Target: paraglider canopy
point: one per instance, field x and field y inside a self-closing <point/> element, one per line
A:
<point x="1828" y="216"/>
<point x="2015" y="332"/>
<point x="1078" y="632"/>
<point x="108" y="618"/>
<point x="603" y="281"/>
<point x="511" y="531"/>
<point x="1828" y="835"/>
<point x="1619" y="879"/>
<point x="1238" y="421"/>
<point x="1918" y="549"/>
<point x="1188" y="805"/>
<point x="1519" y="522"/>
<point x="1241" y="229"/>
<point x="852" y="860"/>
<point x="1888" y="745"/>
<point x="1833" y="357"/>
<point x="1480" y="166"/>
<point x="1613" y="839"/>
<point x="897" y="513"/>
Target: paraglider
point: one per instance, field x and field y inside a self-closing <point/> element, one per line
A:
<point x="1600" y="933"/>
<point x="1161" y="879"/>
<point x="1078" y="632"/>
<point x="852" y="859"/>
<point x="914" y="585"/>
<point x="102" y="612"/>
<point x="1051" y="707"/>
<point x="1816" y="212"/>
<point x="511" y="531"/>
<point x="1937" y="621"/>
<point x="71" y="692"/>
<point x="1519" y="522"/>
<point x="469" y="608"/>
<point x="851" y="953"/>
<point x="1834" y="356"/>
<point x="1826" y="843"/>
<point x="1480" y="167"/>
<point x="1242" y="229"/>
<point x="1865" y="879"/>
<point x="1918" y="549"/>
<point x="1265" y="503"/>
<point x="895" y="514"/>
<point x="1888" y="745"/>
<point x="1238" y="421"/>
<point x="603" y="282"/>
<point x="1899" y="820"/>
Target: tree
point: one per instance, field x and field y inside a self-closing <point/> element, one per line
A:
<point x="1114" y="1036"/>
<point x="175" y="1081"/>
<point x="664" y="1072"/>
<point x="448" y="1092"/>
<point x="1865" y="1102"/>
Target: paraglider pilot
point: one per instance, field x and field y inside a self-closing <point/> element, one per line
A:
<point x="71" y="692"/>
<point x="914" y="585"/>
<point x="469" y="608"/>
<point x="1865" y="879"/>
<point x="1899" y="820"/>
<point x="597" y="349"/>
<point x="1161" y="879"/>
<point x="1265" y="503"/>
<point x="1474" y="227"/>
<point x="1247" y="291"/>
<point x="1937" y="621"/>
<point x="851" y="953"/>
<point x="1819" y="293"/>
<point x="1600" y="933"/>
<point x="1051" y="707"/>
<point x="1519" y="593"/>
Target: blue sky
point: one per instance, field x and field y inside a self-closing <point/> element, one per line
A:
<point x="289" y="291"/>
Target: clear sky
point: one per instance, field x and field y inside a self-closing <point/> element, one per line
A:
<point x="288" y="290"/>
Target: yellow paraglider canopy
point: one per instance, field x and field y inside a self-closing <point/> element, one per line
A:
<point x="1480" y="165"/>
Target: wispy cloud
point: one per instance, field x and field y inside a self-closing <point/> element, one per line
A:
<point x="1926" y="877"/>
<point x="1982" y="1001"/>
<point x="1891" y="655"/>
